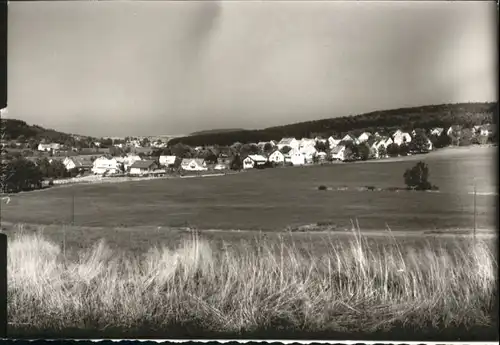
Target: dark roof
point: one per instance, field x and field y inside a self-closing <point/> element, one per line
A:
<point x="144" y="164"/>
<point x="82" y="161"/>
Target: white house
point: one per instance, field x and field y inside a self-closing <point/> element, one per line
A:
<point x="338" y="153"/>
<point x="167" y="160"/>
<point x="253" y="161"/>
<point x="143" y="167"/>
<point x="297" y="157"/>
<point x="291" y="142"/>
<point x="333" y="142"/>
<point x="437" y="131"/>
<point x="193" y="164"/>
<point x="104" y="165"/>
<point x="49" y="147"/>
<point x="308" y="152"/>
<point x="364" y="137"/>
<point x="277" y="157"/>
<point x="79" y="162"/>
<point x="402" y="137"/>
<point x="397" y="133"/>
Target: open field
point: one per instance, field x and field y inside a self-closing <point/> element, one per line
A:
<point x="276" y="198"/>
<point x="150" y="279"/>
<point x="350" y="289"/>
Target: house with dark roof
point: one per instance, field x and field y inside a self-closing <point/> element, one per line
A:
<point x="143" y="167"/>
<point x="84" y="163"/>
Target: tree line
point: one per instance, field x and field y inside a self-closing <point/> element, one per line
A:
<point x="384" y="122"/>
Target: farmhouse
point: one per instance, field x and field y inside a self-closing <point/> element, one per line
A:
<point x="104" y="165"/>
<point x="143" y="167"/>
<point x="79" y="162"/>
<point x="253" y="161"/>
<point x="291" y="142"/>
<point x="193" y="164"/>
<point x="277" y="157"/>
<point x="49" y="147"/>
<point x="338" y="153"/>
<point x="167" y="161"/>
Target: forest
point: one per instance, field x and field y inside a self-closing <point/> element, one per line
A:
<point x="385" y="122"/>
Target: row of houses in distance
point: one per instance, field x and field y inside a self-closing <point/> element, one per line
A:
<point x="290" y="151"/>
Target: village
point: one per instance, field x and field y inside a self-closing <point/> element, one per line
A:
<point x="136" y="157"/>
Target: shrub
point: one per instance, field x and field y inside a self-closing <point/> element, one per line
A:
<point x="322" y="187"/>
<point x="417" y="177"/>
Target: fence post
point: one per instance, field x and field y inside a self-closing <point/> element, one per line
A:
<point x="3" y="286"/>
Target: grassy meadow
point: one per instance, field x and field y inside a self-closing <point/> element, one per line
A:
<point x="125" y="268"/>
<point x="276" y="198"/>
<point x="350" y="288"/>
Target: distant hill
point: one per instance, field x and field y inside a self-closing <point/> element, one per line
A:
<point x="217" y="131"/>
<point x="17" y="129"/>
<point x="384" y="121"/>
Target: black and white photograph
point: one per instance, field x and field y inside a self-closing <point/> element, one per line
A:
<point x="266" y="170"/>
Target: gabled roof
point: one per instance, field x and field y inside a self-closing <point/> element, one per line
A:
<point x="145" y="164"/>
<point x="81" y="161"/>
<point x="187" y="161"/>
<point x="257" y="158"/>
<point x="337" y="149"/>
<point x="286" y="141"/>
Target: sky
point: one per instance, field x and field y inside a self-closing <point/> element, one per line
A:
<point x="155" y="68"/>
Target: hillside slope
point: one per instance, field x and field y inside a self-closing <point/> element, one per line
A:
<point x="444" y="115"/>
<point x="217" y="131"/>
<point x="18" y="129"/>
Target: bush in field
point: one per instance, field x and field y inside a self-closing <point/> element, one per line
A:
<point x="417" y="177"/>
<point x="392" y="150"/>
<point x="322" y="187"/>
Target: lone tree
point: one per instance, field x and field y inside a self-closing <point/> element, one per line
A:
<point x="416" y="178"/>
<point x="236" y="163"/>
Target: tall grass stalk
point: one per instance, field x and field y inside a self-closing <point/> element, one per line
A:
<point x="348" y="287"/>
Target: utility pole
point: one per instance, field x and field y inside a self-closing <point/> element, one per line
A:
<point x="475" y="223"/>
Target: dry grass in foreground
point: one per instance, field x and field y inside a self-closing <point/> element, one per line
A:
<point x="239" y="290"/>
